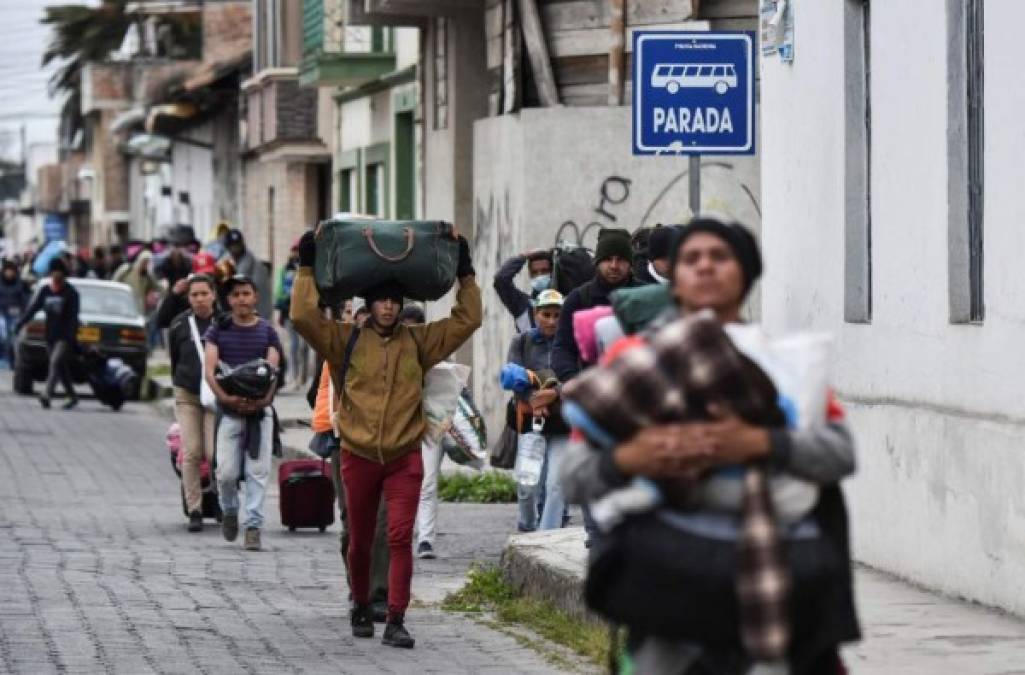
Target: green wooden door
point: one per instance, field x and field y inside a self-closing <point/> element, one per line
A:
<point x="405" y="166"/>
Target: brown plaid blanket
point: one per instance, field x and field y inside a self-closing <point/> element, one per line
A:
<point x="685" y="365"/>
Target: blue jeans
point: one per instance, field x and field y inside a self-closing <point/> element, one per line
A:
<point x="532" y="499"/>
<point x="555" y="502"/>
<point x="229" y="458"/>
<point x="297" y="354"/>
<point x="7" y="323"/>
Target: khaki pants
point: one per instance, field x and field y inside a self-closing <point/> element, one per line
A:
<point x="197" y="431"/>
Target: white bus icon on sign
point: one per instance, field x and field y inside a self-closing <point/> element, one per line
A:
<point x="718" y="76"/>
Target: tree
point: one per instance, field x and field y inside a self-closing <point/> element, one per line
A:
<point x="80" y="34"/>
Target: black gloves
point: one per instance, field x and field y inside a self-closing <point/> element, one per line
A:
<point x="465" y="268"/>
<point x="307" y="249"/>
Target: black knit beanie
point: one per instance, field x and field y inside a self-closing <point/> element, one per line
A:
<point x="739" y="239"/>
<point x="660" y="241"/>
<point x="613" y="242"/>
<point x="386" y="291"/>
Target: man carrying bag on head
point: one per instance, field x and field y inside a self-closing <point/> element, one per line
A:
<point x="381" y="420"/>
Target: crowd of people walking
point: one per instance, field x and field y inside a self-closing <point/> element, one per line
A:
<point x="637" y="391"/>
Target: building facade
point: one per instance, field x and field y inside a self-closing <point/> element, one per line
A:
<point x="371" y="72"/>
<point x="287" y="132"/>
<point x="897" y="228"/>
<point x="526" y="134"/>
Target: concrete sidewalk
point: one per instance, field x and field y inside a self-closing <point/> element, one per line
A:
<point x="907" y="629"/>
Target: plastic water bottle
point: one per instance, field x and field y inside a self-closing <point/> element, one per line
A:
<point x="530" y="455"/>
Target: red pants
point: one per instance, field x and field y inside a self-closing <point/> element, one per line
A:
<point x="399" y="480"/>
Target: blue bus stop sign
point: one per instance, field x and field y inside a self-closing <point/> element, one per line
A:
<point x="693" y="93"/>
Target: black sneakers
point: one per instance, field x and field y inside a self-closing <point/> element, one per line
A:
<point x="229" y="526"/>
<point x="362" y="621"/>
<point x="195" y="522"/>
<point x="396" y="635"/>
<point x="68" y="405"/>
<point x="425" y="551"/>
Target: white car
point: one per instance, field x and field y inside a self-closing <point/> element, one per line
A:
<point x="672" y="77"/>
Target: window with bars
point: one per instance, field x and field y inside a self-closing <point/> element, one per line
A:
<point x="966" y="160"/>
<point x="858" y="163"/>
<point x="975" y="70"/>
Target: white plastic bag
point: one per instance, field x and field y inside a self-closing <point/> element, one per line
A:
<point x="798" y="366"/>
<point x="463" y="442"/>
<point x="442" y="387"/>
<point x="530" y="455"/>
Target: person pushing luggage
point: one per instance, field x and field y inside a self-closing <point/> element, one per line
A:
<point x="380" y="418"/>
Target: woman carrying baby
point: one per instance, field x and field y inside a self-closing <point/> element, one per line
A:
<point x="724" y="543"/>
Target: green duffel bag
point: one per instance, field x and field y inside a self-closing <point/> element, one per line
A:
<point x="638" y="306"/>
<point x="354" y="255"/>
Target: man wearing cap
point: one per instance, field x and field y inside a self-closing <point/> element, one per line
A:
<point x="381" y="420"/>
<point x="247" y="265"/>
<point x="531" y="352"/>
<point x="238" y="338"/>
<point x="519" y="304"/>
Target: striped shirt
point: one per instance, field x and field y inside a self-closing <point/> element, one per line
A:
<point x="240" y="344"/>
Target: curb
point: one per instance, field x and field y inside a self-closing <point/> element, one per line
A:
<point x="550" y="565"/>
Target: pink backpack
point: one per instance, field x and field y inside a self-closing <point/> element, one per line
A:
<point x="174" y="447"/>
<point x="583" y="331"/>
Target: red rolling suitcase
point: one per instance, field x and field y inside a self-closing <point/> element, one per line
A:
<point x="306" y="494"/>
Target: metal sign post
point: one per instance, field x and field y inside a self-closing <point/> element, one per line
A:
<point x="694" y="174"/>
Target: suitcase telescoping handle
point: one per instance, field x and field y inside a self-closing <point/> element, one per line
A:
<point x="410" y="235"/>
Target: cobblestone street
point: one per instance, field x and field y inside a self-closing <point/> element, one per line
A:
<point x="99" y="575"/>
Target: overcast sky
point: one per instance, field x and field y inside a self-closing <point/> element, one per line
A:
<point x="23" y="94"/>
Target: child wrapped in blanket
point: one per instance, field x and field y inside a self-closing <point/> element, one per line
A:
<point x="685" y="370"/>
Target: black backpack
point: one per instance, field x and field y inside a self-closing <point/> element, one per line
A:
<point x="572" y="267"/>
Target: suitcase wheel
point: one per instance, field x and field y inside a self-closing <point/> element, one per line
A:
<point x="291" y="528"/>
<point x="323" y="528"/>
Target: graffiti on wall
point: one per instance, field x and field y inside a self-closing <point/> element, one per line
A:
<point x="615" y="191"/>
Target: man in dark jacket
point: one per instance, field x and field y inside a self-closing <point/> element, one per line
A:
<point x="656" y="268"/>
<point x="613" y="258"/>
<point x="59" y="301"/>
<point x="247" y="265"/>
<point x="539" y="267"/>
<point x="14" y="295"/>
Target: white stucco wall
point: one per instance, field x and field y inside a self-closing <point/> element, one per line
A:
<point x="540" y="169"/>
<point x="936" y="408"/>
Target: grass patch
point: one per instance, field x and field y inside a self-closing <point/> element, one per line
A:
<point x="486" y="591"/>
<point x="486" y="487"/>
<point x="158" y="370"/>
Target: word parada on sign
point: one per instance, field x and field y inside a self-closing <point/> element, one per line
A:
<point x="693" y="93"/>
<point x="692" y="120"/>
